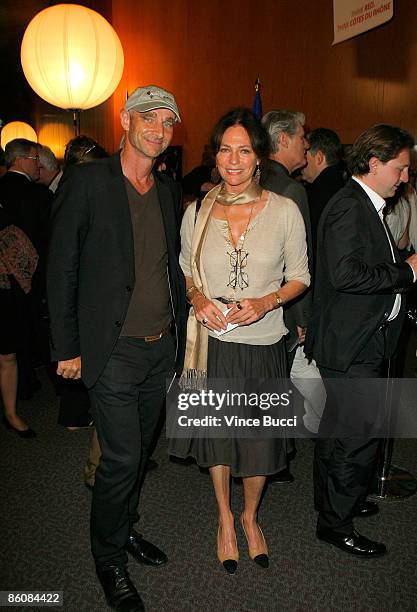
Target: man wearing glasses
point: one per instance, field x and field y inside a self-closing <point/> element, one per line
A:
<point x="22" y="158"/>
<point x="117" y="304"/>
<point x="21" y="197"/>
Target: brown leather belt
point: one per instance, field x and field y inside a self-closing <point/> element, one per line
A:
<point x="156" y="337"/>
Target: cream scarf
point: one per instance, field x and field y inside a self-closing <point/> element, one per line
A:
<point x="195" y="364"/>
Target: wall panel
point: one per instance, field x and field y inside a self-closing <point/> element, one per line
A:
<point x="209" y="52"/>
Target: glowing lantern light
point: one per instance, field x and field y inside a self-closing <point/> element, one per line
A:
<point x="17" y="129"/>
<point x="55" y="134"/>
<point x="71" y="56"/>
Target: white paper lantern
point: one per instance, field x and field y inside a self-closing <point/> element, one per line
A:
<point x="71" y="56"/>
<point x="17" y="129"/>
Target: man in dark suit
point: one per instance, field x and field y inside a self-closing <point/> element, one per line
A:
<point x="117" y="304"/>
<point x="288" y="153"/>
<point x="17" y="186"/>
<point x="357" y="317"/>
<point x="324" y="174"/>
<point x="27" y="205"/>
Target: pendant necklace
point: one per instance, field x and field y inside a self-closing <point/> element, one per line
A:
<point x="238" y="257"/>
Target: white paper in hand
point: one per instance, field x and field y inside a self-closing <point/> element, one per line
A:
<point x="229" y="327"/>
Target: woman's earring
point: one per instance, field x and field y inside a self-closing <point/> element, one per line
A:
<point x="257" y="175"/>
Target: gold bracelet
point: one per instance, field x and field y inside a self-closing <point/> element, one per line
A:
<point x="279" y="300"/>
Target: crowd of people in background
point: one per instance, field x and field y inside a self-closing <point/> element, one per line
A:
<point x="26" y="194"/>
<point x="265" y="258"/>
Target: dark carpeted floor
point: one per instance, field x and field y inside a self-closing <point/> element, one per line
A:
<point x="44" y="510"/>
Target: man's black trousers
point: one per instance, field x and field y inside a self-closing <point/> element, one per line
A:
<point x="344" y="462"/>
<point x="126" y="405"/>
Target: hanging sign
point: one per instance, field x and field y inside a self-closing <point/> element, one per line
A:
<point x="353" y="17"/>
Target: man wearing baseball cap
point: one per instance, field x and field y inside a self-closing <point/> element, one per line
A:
<point x="117" y="307"/>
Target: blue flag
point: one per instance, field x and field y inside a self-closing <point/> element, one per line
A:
<point x="257" y="102"/>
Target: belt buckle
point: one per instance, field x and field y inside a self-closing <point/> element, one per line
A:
<point x="153" y="338"/>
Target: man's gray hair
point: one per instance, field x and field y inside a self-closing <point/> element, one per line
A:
<point x="277" y="121"/>
<point x="19" y="147"/>
<point x="47" y="158"/>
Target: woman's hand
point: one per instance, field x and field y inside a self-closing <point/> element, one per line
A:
<point x="207" y="313"/>
<point x="249" y="310"/>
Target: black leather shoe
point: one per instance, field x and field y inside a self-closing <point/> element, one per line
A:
<point x="355" y="543"/>
<point x="368" y="508"/>
<point x="230" y="565"/>
<point x="144" y="551"/>
<point x="119" y="590"/>
<point x="282" y="477"/>
<point x="26" y="434"/>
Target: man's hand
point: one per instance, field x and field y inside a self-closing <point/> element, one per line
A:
<point x="412" y="260"/>
<point x="70" y="368"/>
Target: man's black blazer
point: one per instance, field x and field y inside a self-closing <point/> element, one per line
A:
<point x="91" y="269"/>
<point x="319" y="193"/>
<point x="356" y="281"/>
<point x="276" y="178"/>
<point x="27" y="205"/>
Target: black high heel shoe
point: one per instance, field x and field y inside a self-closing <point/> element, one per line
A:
<point x="260" y="554"/>
<point x="229" y="563"/>
<point x="27" y="434"/>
